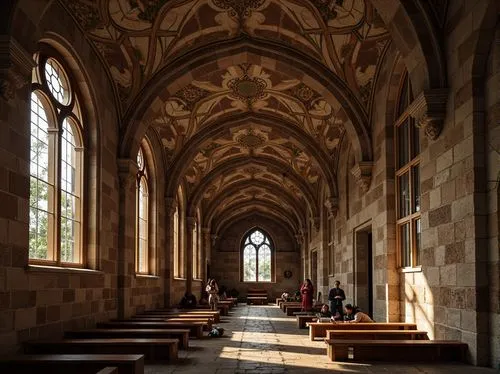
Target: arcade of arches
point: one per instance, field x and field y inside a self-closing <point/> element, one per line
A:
<point x="148" y="145"/>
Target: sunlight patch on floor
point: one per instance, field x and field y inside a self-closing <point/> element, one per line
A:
<point x="276" y="319"/>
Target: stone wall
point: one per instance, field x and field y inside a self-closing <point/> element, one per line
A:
<point x="225" y="259"/>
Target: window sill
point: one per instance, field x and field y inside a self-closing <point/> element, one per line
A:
<point x="416" y="269"/>
<point x="147" y="276"/>
<point x="59" y="269"/>
<point x="179" y="279"/>
<point x="197" y="280"/>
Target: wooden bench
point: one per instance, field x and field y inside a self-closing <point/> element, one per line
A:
<point x="396" y="350"/>
<point x="108" y="370"/>
<point x="152" y="349"/>
<point x="207" y="322"/>
<point x="195" y="328"/>
<point x="256" y="296"/>
<point x="303" y="319"/>
<point x="290" y="310"/>
<point x="74" y="364"/>
<point x="257" y="300"/>
<point x="215" y="314"/>
<point x="285" y="304"/>
<point x="182" y="335"/>
<point x="319" y="329"/>
<point x="377" y="334"/>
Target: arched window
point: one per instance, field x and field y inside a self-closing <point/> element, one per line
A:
<point x="407" y="180"/>
<point x="56" y="167"/>
<point x="142" y="216"/>
<point x="177" y="272"/>
<point x="257" y="257"/>
<point x="195" y="250"/>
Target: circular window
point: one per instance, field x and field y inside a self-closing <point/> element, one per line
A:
<point x="57" y="81"/>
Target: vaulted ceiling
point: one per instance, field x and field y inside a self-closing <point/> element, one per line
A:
<point x="250" y="99"/>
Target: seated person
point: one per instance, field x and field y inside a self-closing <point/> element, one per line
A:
<point x="284" y="296"/>
<point x="188" y="301"/>
<point x="204" y="298"/>
<point x="354" y="315"/>
<point x="336" y="317"/>
<point x="324" y="312"/>
<point x="222" y="293"/>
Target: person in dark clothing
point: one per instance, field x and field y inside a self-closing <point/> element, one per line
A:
<point x="336" y="296"/>
<point x="188" y="301"/>
<point x="324" y="312"/>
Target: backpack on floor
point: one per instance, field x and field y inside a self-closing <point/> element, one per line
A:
<point x="216" y="332"/>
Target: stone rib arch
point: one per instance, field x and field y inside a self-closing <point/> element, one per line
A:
<point x="241" y="50"/>
<point x="257" y="161"/>
<point x="260" y="217"/>
<point x="188" y="152"/>
<point x="281" y="195"/>
<point x="248" y="209"/>
<point x="414" y="33"/>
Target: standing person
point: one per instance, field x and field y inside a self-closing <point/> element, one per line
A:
<point x="336" y="296"/>
<point x="213" y="296"/>
<point x="307" y="292"/>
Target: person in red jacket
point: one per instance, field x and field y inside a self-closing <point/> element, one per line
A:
<point x="307" y="292"/>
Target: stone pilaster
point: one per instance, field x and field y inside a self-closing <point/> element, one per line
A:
<point x="429" y="110"/>
<point x="170" y="206"/>
<point x="190" y="223"/>
<point x="206" y="250"/>
<point x="127" y="174"/>
<point x="362" y="171"/>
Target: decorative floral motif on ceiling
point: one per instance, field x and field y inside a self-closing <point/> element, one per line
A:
<point x="136" y="38"/>
<point x="247" y="88"/>
<point x="260" y="141"/>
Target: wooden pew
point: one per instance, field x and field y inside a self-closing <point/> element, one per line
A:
<point x="73" y="364"/>
<point x="215" y="314"/>
<point x="182" y="335"/>
<point x="152" y="349"/>
<point x="285" y="304"/>
<point x="291" y="309"/>
<point x="303" y="319"/>
<point x="377" y="334"/>
<point x="396" y="350"/>
<point x="207" y="322"/>
<point x="319" y="329"/>
<point x="195" y="328"/>
<point x="234" y="300"/>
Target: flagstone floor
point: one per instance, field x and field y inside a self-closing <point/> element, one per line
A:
<point x="261" y="339"/>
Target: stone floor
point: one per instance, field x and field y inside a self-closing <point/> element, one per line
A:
<point x="261" y="339"/>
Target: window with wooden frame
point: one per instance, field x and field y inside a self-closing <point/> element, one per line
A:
<point x="407" y="159"/>
<point x="142" y="216"/>
<point x="56" y="168"/>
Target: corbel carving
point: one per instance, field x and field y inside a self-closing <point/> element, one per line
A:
<point x="429" y="111"/>
<point x="362" y="171"/>
<point x="170" y="205"/>
<point x="127" y="172"/>
<point x="16" y="67"/>
<point x="299" y="237"/>
<point x="332" y="204"/>
<point x="190" y="222"/>
<point x="214" y="238"/>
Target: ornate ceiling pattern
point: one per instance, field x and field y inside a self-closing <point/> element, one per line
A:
<point x="136" y="38"/>
<point x="242" y="89"/>
<point x="192" y="111"/>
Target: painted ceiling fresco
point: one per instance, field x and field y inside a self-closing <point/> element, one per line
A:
<point x="136" y="38"/>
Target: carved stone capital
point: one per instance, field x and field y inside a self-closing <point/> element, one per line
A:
<point x="127" y="172"/>
<point x="362" y="171"/>
<point x="190" y="222"/>
<point x="214" y="238"/>
<point x="332" y="204"/>
<point x="170" y="205"/>
<point x="299" y="237"/>
<point x="16" y="67"/>
<point x="429" y="111"/>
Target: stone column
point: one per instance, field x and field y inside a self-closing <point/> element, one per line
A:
<point x="205" y="251"/>
<point x="190" y="223"/>
<point x="170" y="205"/>
<point x="127" y="173"/>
